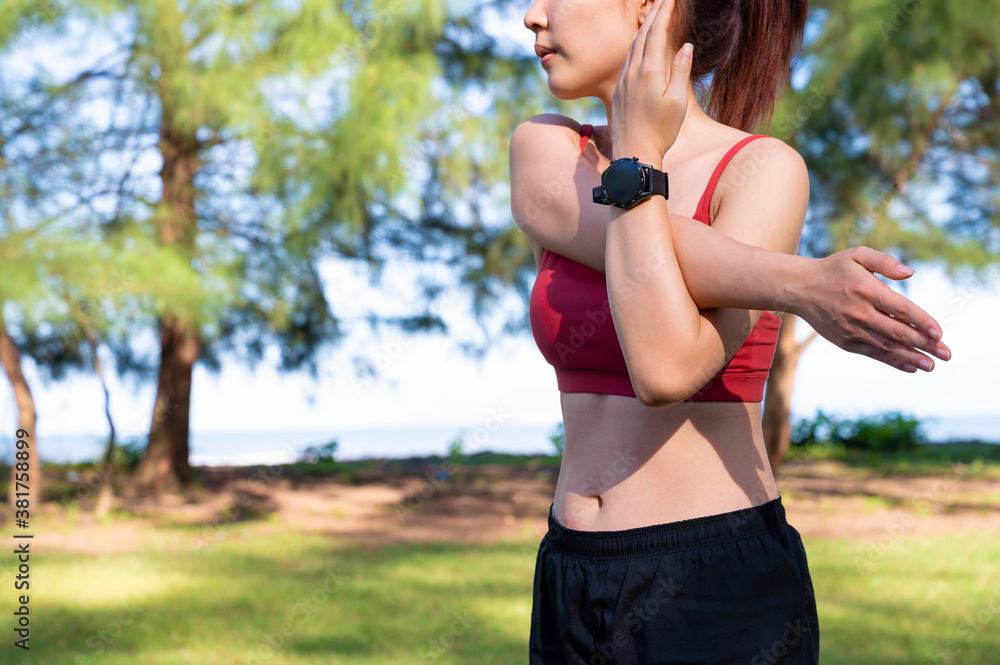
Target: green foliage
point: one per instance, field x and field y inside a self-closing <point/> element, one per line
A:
<point x="895" y="114"/>
<point x="883" y="432"/>
<point x="204" y="164"/>
<point x="456" y="451"/>
<point x="315" y="130"/>
<point x="127" y="455"/>
<point x="558" y="438"/>
<point x="319" y="454"/>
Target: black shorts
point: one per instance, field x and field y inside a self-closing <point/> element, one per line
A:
<point x="728" y="588"/>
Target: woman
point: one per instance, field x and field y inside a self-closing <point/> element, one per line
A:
<point x="668" y="541"/>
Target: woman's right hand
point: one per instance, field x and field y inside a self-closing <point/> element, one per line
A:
<point x="846" y="303"/>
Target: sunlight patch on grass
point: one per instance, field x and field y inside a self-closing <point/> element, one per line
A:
<point x="291" y="598"/>
<point x="906" y="600"/>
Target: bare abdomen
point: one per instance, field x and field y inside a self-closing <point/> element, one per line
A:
<point x="626" y="465"/>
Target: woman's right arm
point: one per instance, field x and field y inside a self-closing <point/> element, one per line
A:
<point x="551" y="186"/>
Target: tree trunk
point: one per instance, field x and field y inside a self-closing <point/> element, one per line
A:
<point x="165" y="465"/>
<point x="10" y="357"/>
<point x="106" y="495"/>
<point x="777" y="415"/>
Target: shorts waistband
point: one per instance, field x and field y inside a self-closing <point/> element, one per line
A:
<point x="672" y="536"/>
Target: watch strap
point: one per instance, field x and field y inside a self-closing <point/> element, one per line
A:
<point x="599" y="195"/>
<point x="657" y="182"/>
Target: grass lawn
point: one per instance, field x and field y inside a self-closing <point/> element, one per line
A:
<point x="291" y="598"/>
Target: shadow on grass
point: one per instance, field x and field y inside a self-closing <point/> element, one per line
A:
<point x="292" y="600"/>
<point x="309" y="599"/>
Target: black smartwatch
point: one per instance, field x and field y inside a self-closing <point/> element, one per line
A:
<point x="628" y="181"/>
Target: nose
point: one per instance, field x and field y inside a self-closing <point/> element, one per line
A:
<point x="536" y="18"/>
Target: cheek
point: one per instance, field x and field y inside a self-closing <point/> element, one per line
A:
<point x="560" y="13"/>
<point x="593" y="51"/>
<point x="608" y="49"/>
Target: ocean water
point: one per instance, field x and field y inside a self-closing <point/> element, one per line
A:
<point x="245" y="448"/>
<point x="979" y="428"/>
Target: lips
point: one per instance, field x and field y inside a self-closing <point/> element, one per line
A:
<point x="542" y="51"/>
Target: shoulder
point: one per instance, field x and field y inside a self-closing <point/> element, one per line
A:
<point x="546" y="132"/>
<point x="548" y="124"/>
<point x="544" y="152"/>
<point x="551" y="183"/>
<point x="764" y="195"/>
<point x="765" y="161"/>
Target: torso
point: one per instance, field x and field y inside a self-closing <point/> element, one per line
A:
<point x="626" y="465"/>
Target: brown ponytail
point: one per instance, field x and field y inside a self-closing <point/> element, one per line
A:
<point x="747" y="47"/>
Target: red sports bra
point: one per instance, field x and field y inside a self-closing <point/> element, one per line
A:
<point x="571" y="322"/>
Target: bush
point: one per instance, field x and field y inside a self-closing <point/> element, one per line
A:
<point x="558" y="438"/>
<point x="127" y="455"/>
<point x="456" y="451"/>
<point x="885" y="432"/>
<point x="319" y="454"/>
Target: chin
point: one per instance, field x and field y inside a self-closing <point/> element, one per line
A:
<point x="564" y="95"/>
<point x="566" y="92"/>
<point x="567" y="82"/>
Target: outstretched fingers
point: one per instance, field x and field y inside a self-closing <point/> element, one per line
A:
<point x="901" y="353"/>
<point x="881" y="355"/>
<point x="880" y="262"/>
<point x="896" y="305"/>
<point x="908" y="324"/>
<point x="879" y="347"/>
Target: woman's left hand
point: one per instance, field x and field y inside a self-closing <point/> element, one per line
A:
<point x="651" y="97"/>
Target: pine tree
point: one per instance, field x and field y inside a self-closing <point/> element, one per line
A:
<point x="897" y="121"/>
<point x="285" y="134"/>
<point x="18" y="279"/>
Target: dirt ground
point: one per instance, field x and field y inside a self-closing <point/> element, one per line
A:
<point x="488" y="503"/>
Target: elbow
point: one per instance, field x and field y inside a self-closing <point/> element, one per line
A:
<point x="657" y="401"/>
<point x="660" y="394"/>
<point x="664" y="382"/>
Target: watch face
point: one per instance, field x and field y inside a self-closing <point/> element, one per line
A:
<point x="624" y="183"/>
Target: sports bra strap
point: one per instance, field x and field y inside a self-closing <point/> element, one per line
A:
<point x="585" y="132"/>
<point x="706" y="198"/>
